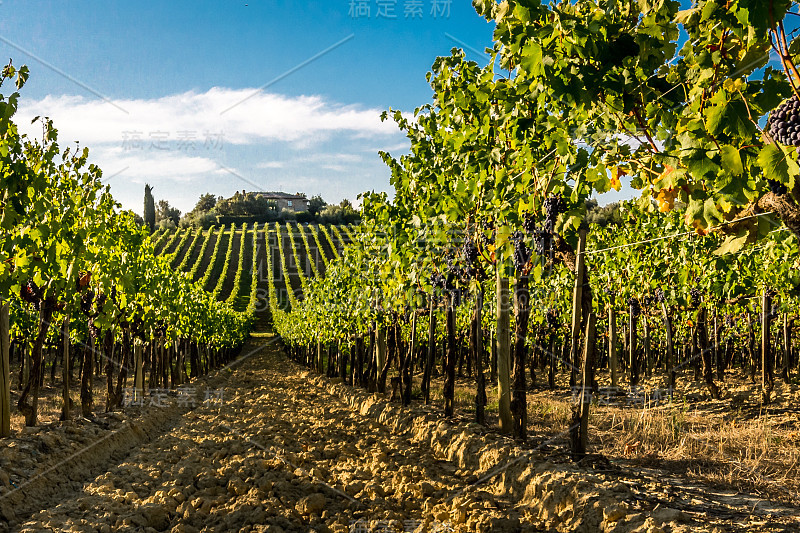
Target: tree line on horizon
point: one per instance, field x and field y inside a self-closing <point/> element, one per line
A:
<point x="211" y="210"/>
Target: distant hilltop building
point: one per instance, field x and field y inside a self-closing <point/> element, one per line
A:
<point x="293" y="202"/>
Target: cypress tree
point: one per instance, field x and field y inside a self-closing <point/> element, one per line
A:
<point x="149" y="208"/>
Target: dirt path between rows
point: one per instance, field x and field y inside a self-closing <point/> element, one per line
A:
<point x="281" y="451"/>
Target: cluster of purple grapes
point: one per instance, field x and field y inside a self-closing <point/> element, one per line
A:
<point x="660" y="296"/>
<point x="543" y="241"/>
<point x="729" y="321"/>
<point x="469" y="254"/>
<point x="696" y="295"/>
<point x="553" y="206"/>
<point x="87" y="299"/>
<point x="529" y="223"/>
<point x="776" y="187"/>
<point x="94" y="331"/>
<point x="634" y="306"/>
<point x="438" y="281"/>
<point x="446" y="281"/>
<point x="552" y="318"/>
<point x="486" y="227"/>
<point x="784" y="122"/>
<point x="521" y="252"/>
<point x="543" y="236"/>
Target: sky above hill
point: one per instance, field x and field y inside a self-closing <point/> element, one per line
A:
<point x="196" y="96"/>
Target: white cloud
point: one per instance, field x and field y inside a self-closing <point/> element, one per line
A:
<point x="335" y="168"/>
<point x="403" y="147"/>
<point x="271" y="164"/>
<point x="260" y="118"/>
<point x="139" y="167"/>
<point x="185" y="145"/>
<point x="321" y="159"/>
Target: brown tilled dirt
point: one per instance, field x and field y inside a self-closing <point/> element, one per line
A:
<point x="284" y="450"/>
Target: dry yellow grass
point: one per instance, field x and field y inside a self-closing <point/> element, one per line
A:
<point x="731" y="443"/>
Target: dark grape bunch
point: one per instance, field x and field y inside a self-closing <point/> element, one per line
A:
<point x="696" y="295"/>
<point x="138" y="328"/>
<point x="776" y="187"/>
<point x="634" y="306"/>
<point x="660" y="296"/>
<point x="553" y="206"/>
<point x="729" y="321"/>
<point x="450" y="261"/>
<point x="552" y="318"/>
<point x="528" y="223"/>
<point x="521" y="252"/>
<point x="543" y="241"/>
<point x="784" y="122"/>
<point x="543" y="236"/>
<point x="469" y="252"/>
<point x="470" y="256"/>
<point x="438" y="281"/>
<point x="87" y="299"/>
<point x="486" y="227"/>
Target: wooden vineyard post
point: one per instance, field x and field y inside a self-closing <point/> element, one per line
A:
<point x="705" y="352"/>
<point x="612" y="342"/>
<point x="426" y="376"/>
<point x="579" y="430"/>
<point x="342" y="358"/>
<point x="381" y="353"/>
<point x="551" y="361"/>
<point x="751" y="347"/>
<point x="86" y="376"/>
<point x="503" y="352"/>
<point x="633" y="363"/>
<point x="767" y="379"/>
<point x="407" y="369"/>
<point x="450" y="355"/>
<point x="519" y="404"/>
<point x="320" y="367"/>
<point x="138" y="376"/>
<point x="577" y="299"/>
<point x="787" y="348"/>
<point x="65" y="414"/>
<point x="670" y="348"/>
<point x="353" y="371"/>
<point x="625" y="340"/>
<point x="5" y="372"/>
<point x="480" y="397"/>
<point x="648" y="354"/>
<point x="719" y="360"/>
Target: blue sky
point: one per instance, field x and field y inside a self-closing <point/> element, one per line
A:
<point x="218" y="96"/>
<point x="146" y="85"/>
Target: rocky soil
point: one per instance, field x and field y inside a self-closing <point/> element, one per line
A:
<point x="283" y="451"/>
